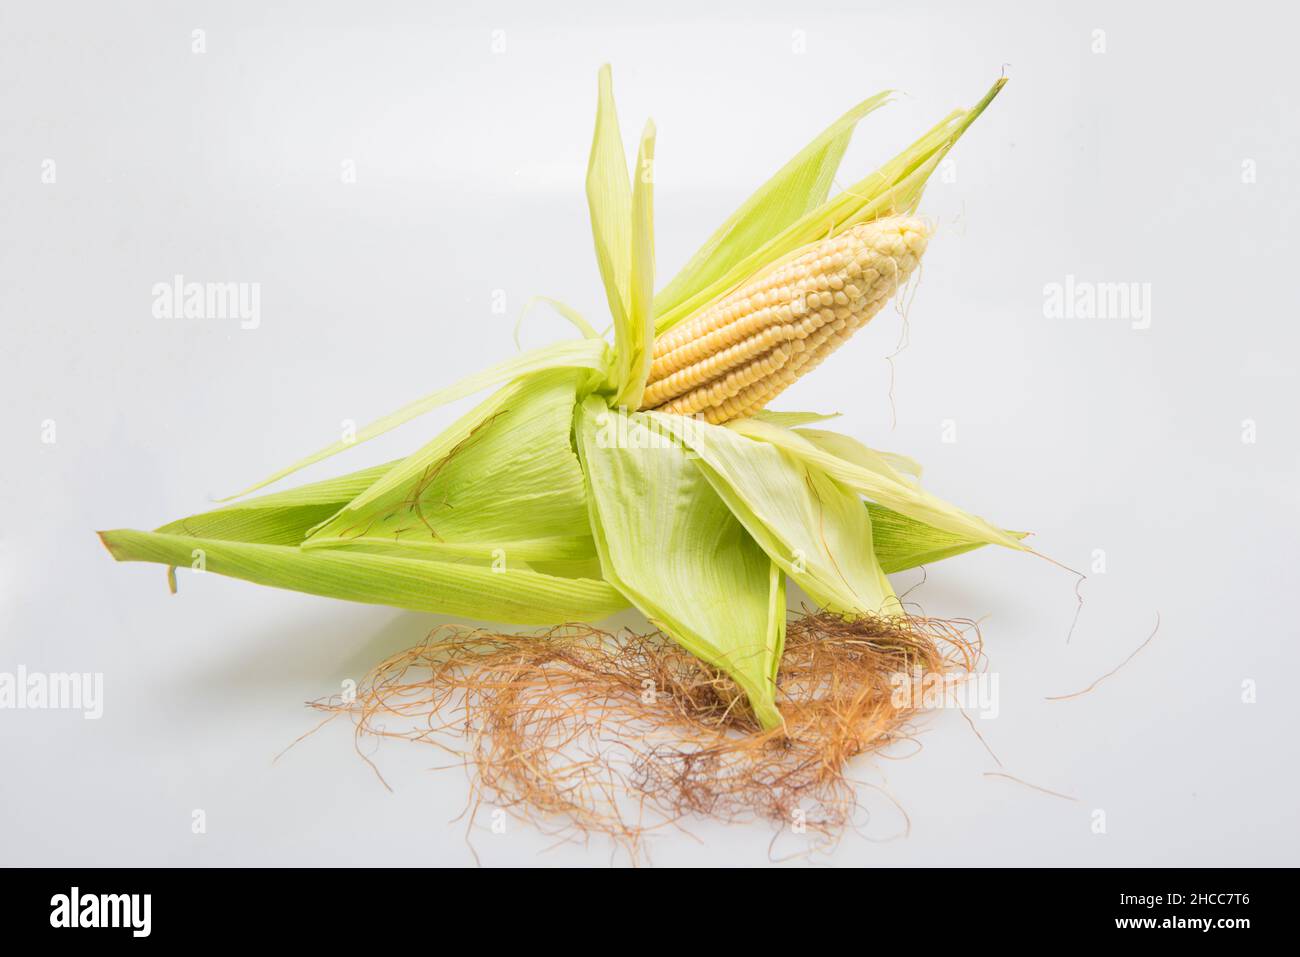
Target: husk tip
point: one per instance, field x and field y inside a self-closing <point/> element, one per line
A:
<point x="107" y="540"/>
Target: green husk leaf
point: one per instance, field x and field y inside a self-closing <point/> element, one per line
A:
<point x="609" y="199"/>
<point x="801" y="185"/>
<point x="883" y="485"/>
<point x="590" y="354"/>
<point x="901" y="543"/>
<point x="286" y="525"/>
<point x="675" y="549"/>
<point x="850" y="449"/>
<point x="551" y="553"/>
<point x="563" y="309"/>
<point x="641" y="283"/>
<point x="893" y="189"/>
<point x="282" y="518"/>
<point x="501" y="484"/>
<point x="817" y="531"/>
<point x="790" y="420"/>
<point x="516" y="595"/>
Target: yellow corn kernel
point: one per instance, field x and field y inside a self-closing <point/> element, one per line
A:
<point x="739" y="353"/>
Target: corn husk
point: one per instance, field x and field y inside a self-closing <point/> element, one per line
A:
<point x="550" y="502"/>
<point x="673" y="546"/>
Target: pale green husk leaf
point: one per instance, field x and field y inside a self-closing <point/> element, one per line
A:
<point x="817" y="531"/>
<point x="281" y="518"/>
<point x="882" y="484"/>
<point x="903" y="467"/>
<point x="798" y="187"/>
<point x="893" y="189"/>
<point x="501" y="485"/>
<point x="641" y="281"/>
<point x="517" y="595"/>
<point x="792" y="419"/>
<point x="609" y="202"/>
<point x="901" y="543"/>
<point x="590" y="354"/>
<point x="675" y="549"/>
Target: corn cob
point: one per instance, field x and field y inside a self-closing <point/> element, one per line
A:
<point x="739" y="353"/>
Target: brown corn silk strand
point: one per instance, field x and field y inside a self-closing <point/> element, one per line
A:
<point x="581" y="732"/>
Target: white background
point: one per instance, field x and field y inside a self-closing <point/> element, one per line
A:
<point x="1122" y="166"/>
